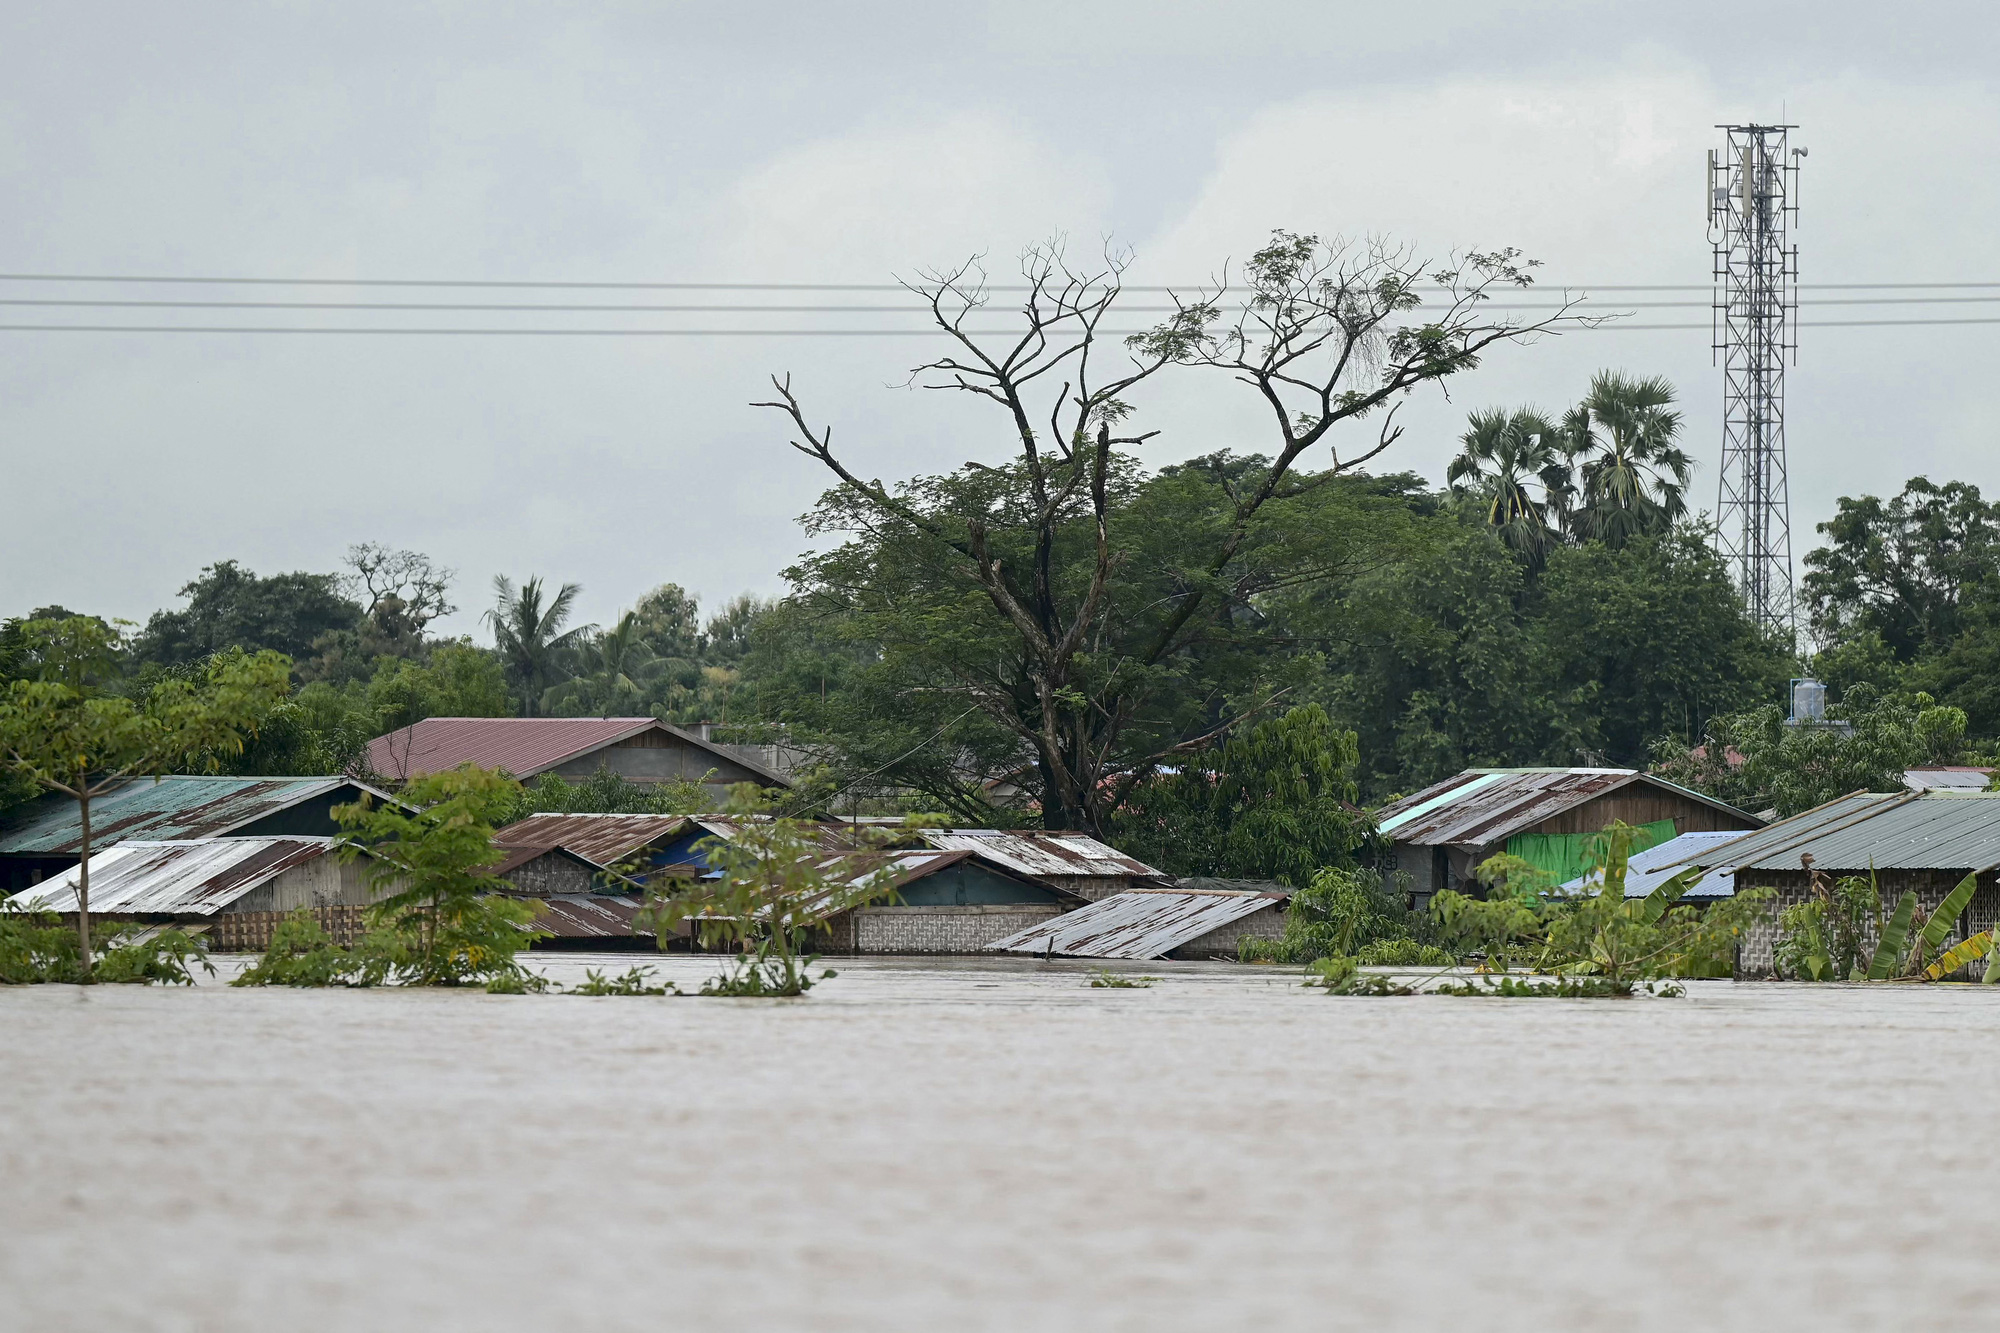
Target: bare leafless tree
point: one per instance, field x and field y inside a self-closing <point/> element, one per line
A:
<point x="409" y="578"/>
<point x="1324" y="333"/>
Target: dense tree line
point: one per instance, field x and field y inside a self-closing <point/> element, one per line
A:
<point x="1220" y="660"/>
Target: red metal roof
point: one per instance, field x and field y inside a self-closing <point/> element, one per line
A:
<point x="524" y="746"/>
<point x="599" y="839"/>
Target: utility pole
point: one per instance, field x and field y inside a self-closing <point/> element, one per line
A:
<point x="1752" y="206"/>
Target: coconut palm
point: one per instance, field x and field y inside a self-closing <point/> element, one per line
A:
<point x="1505" y="454"/>
<point x="615" y="670"/>
<point x="530" y="635"/>
<point x="1634" y="475"/>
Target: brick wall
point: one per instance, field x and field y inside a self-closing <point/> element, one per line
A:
<point x="1931" y="887"/>
<point x="940" y="930"/>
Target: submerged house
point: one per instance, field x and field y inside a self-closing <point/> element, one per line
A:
<point x="638" y="749"/>
<point x="233" y="889"/>
<point x="954" y="890"/>
<point x="1545" y="816"/>
<point x="943" y="902"/>
<point x="1918" y="842"/>
<point x="45" y="837"/>
<point x="1195" y="918"/>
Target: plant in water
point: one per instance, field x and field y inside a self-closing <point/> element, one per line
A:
<point x="772" y="883"/>
<point x="438" y="921"/>
<point x="1340" y="912"/>
<point x="1598" y="932"/>
<point x="37" y="948"/>
<point x="1824" y="938"/>
<point x="633" y="981"/>
<point x="301" y="953"/>
<point x="1105" y="979"/>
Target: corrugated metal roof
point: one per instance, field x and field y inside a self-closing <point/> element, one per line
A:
<point x="1935" y="830"/>
<point x="178" y="808"/>
<point x="599" y="839"/>
<point x="1653" y="867"/>
<point x="584" y="916"/>
<point x="1140" y="923"/>
<point x="1954" y="777"/>
<point x="1772" y="840"/>
<point x="194" y="877"/>
<point x="1043" y="855"/>
<point x="524" y="746"/>
<point x="1482" y="806"/>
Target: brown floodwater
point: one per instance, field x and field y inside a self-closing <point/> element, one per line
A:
<point x="948" y="1145"/>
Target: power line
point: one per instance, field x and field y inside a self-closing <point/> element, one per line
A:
<point x="1610" y="326"/>
<point x="598" y="308"/>
<point x="827" y="286"/>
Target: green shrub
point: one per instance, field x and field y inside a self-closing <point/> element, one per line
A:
<point x="1340" y="913"/>
<point x="301" y="953"/>
<point x="1403" y="953"/>
<point x="37" y="948"/>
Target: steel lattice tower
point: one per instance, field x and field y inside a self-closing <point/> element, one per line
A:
<point x="1752" y="206"/>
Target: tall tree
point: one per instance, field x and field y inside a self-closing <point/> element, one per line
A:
<point x="1515" y="466"/>
<point x="1027" y="556"/>
<point x="1634" y="476"/>
<point x="1907" y="569"/>
<point x="65" y="733"/>
<point x="231" y="607"/>
<point x="528" y="631"/>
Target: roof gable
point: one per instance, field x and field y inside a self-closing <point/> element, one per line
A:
<point x="1481" y="806"/>
<point x="523" y="746"/>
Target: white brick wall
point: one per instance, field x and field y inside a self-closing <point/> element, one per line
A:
<point x="941" y="929"/>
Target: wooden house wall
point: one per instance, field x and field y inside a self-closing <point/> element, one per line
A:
<point x="656" y="756"/>
<point x="1636" y="805"/>
<point x="324" y="881"/>
<point x="551" y="873"/>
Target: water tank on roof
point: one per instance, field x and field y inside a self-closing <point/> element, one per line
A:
<point x="1808" y="702"/>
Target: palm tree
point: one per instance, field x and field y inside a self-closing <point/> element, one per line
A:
<point x="1505" y="453"/>
<point x="531" y="637"/>
<point x="617" y="667"/>
<point x="1634" y="476"/>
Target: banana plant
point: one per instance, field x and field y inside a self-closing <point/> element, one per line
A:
<point x="1964" y="952"/>
<point x="1939" y="927"/>
<point x="1895" y="934"/>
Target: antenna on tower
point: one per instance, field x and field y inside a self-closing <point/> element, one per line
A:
<point x="1752" y="206"/>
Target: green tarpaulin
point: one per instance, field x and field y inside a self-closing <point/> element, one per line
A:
<point x="1567" y="855"/>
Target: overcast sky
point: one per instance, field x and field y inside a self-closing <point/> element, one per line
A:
<point x="801" y="142"/>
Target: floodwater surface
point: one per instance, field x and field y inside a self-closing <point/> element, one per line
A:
<point x="950" y="1145"/>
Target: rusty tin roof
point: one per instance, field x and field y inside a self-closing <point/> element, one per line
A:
<point x="1043" y="855"/>
<point x="599" y="839"/>
<point x="1139" y="924"/>
<point x="177" y="808"/>
<point x="583" y="916"/>
<point x="523" y="746"/>
<point x="1482" y="806"/>
<point x="192" y="877"/>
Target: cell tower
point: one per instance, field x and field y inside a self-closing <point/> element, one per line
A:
<point x="1752" y="206"/>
